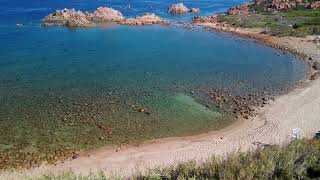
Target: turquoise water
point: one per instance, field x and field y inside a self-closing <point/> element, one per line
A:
<point x="81" y="88"/>
<point x="50" y="73"/>
<point x="61" y="60"/>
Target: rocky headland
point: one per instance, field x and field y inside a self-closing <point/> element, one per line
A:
<point x="102" y="15"/>
<point x="257" y="6"/>
<point x="180" y="8"/>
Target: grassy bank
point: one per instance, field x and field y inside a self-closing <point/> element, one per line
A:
<point x="299" y="160"/>
<point x="296" y="22"/>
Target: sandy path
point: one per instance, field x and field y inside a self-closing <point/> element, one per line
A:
<point x="298" y="109"/>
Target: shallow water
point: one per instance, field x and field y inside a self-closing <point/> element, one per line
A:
<point x="81" y="88"/>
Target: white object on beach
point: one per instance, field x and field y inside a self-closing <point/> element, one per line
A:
<point x="297" y="133"/>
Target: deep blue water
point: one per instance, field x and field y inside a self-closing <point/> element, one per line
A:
<point x="120" y="68"/>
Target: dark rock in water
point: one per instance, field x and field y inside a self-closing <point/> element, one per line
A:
<point x="240" y="106"/>
<point x="316" y="66"/>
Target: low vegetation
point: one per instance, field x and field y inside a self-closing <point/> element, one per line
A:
<point x="299" y="160"/>
<point x="295" y="22"/>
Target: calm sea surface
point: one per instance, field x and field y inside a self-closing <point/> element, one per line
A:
<point x="81" y="88"/>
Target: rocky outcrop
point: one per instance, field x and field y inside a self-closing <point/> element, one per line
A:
<point x="315" y="5"/>
<point x="65" y="14"/>
<point x="260" y="1"/>
<point x="180" y="8"/>
<point x="73" y="18"/>
<point x="240" y="9"/>
<point x="287" y="4"/>
<point x="257" y="6"/>
<point x="146" y="19"/>
<point x="105" y="14"/>
<point x="194" y="10"/>
<point x="67" y="17"/>
<point x="205" y="19"/>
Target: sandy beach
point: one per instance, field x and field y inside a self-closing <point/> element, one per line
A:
<point x="299" y="109"/>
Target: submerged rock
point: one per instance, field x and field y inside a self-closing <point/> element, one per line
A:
<point x="146" y="19"/>
<point x="180" y="8"/>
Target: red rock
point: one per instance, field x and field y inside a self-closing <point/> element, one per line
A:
<point x="315" y="5"/>
<point x="240" y="9"/>
<point x="286" y="4"/>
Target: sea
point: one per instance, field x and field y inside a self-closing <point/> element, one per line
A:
<point x="81" y="88"/>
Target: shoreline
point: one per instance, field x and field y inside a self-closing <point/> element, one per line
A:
<point x="273" y="125"/>
<point x="286" y="44"/>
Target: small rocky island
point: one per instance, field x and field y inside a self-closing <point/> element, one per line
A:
<point x="180" y="8"/>
<point x="102" y="15"/>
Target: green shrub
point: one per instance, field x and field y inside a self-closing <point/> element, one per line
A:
<point x="299" y="22"/>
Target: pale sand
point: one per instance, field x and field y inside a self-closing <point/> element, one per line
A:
<point x="298" y="109"/>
